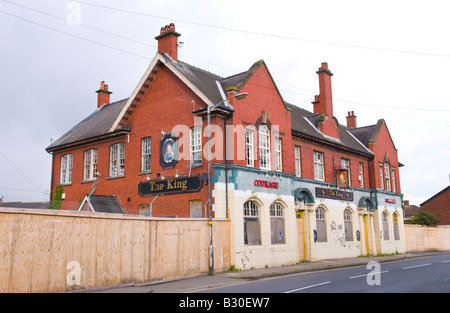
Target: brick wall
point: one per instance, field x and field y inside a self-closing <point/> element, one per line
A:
<point x="440" y="205"/>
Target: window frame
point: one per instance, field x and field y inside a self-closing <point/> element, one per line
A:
<point x="348" y="225"/>
<point x="385" y="224"/>
<point x="65" y="175"/>
<point x="277" y="223"/>
<point x="345" y="164"/>
<point x="146" y="154"/>
<point x="195" y="149"/>
<point x="249" y="147"/>
<point x="396" y="226"/>
<point x="321" y="216"/>
<point x="278" y="154"/>
<point x="90" y="166"/>
<point x="298" y="161"/>
<point x="319" y="165"/>
<point x="361" y="175"/>
<point x="264" y="147"/>
<point x="387" y="178"/>
<point x="250" y="211"/>
<point x="117" y="160"/>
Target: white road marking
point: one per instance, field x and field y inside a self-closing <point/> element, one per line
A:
<point x="445" y="261"/>
<point x="307" y="287"/>
<point x="406" y="268"/>
<point x="363" y="275"/>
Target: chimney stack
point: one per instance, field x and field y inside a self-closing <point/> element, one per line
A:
<point x="168" y="41"/>
<point x="351" y="120"/>
<point x="323" y="103"/>
<point x="103" y="94"/>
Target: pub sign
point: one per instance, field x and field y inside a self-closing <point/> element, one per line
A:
<point x="155" y="187"/>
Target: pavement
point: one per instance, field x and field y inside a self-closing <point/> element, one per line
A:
<point x="228" y="278"/>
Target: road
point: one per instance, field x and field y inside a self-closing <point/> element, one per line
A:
<point x="428" y="274"/>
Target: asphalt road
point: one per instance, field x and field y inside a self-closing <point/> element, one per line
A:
<point x="427" y="275"/>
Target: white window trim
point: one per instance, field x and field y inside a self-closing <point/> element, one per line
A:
<point x="66" y="169"/>
<point x="298" y="161"/>
<point x="249" y="146"/>
<point x="196" y="144"/>
<point x="319" y="166"/>
<point x="90" y="164"/>
<point x="278" y="155"/>
<point x="146" y="154"/>
<point x="387" y="176"/>
<point x="393" y="181"/>
<point x="361" y="175"/>
<point x="117" y="160"/>
<point x="264" y="147"/>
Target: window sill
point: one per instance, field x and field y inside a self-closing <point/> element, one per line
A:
<point x="194" y="165"/>
<point x="115" y="177"/>
<point x="88" y="181"/>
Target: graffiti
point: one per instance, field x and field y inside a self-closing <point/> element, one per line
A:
<point x="333" y="226"/>
<point x="245" y="260"/>
<point x="337" y="233"/>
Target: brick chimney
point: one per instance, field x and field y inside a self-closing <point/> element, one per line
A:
<point x="168" y="41"/>
<point x="103" y="94"/>
<point x="351" y="120"/>
<point x="323" y="103"/>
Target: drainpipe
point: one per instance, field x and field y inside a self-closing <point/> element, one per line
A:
<point x="151" y="204"/>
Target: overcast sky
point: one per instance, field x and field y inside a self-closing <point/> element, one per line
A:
<point x="390" y="59"/>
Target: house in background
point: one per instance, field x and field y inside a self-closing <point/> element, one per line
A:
<point x="294" y="184"/>
<point x="439" y="204"/>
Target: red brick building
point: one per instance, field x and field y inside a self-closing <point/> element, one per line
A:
<point x="272" y="161"/>
<point x="440" y="205"/>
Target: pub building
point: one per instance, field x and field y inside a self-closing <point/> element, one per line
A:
<point x="294" y="184"/>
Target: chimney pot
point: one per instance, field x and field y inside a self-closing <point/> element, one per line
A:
<point x="351" y="119"/>
<point x="103" y="95"/>
<point x="168" y="41"/>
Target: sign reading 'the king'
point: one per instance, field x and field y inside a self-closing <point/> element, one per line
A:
<point x="169" y="186"/>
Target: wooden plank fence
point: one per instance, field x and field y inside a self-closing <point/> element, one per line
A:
<point x="58" y="251"/>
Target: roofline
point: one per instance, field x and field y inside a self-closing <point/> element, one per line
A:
<point x="82" y="142"/>
<point x="252" y="70"/>
<point x="159" y="57"/>
<point x="332" y="144"/>
<point x="435" y="195"/>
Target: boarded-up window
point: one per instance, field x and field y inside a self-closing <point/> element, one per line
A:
<point x="385" y="226"/>
<point x="252" y="230"/>
<point x="144" y="209"/>
<point x="396" y="232"/>
<point x="276" y="223"/>
<point x="348" y="227"/>
<point x="195" y="207"/>
<point x="321" y="225"/>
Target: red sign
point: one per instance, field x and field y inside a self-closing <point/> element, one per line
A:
<point x="266" y="184"/>
<point x="387" y="200"/>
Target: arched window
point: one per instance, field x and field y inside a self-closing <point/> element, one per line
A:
<point x="321" y="225"/>
<point x="252" y="232"/>
<point x="348" y="227"/>
<point x="395" y="222"/>
<point x="276" y="223"/>
<point x="385" y="226"/>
